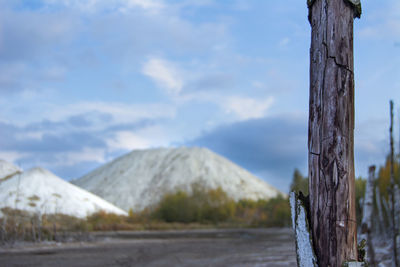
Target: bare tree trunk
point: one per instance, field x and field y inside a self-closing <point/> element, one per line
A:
<point x="381" y="219"/>
<point x="392" y="191"/>
<point x="39" y="223"/>
<point x="33" y="226"/>
<point x="16" y="214"/>
<point x="397" y="206"/>
<point x="397" y="215"/>
<point x="331" y="131"/>
<point x="366" y="225"/>
<point x="4" y="229"/>
<point x="54" y="231"/>
<point x="388" y="207"/>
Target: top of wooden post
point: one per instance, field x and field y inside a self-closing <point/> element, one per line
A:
<point x="355" y="3"/>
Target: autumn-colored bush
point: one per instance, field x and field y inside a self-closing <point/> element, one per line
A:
<point x="383" y="181"/>
<point x="274" y="212"/>
<point x="201" y="205"/>
<point x="215" y="207"/>
<point x="103" y="221"/>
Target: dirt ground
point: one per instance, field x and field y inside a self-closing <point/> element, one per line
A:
<point x="241" y="247"/>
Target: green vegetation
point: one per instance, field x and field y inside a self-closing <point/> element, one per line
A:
<point x="203" y="206"/>
<point x="214" y="208"/>
<point x="299" y="183"/>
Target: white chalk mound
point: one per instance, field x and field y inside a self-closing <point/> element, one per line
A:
<point x="39" y="191"/>
<point x="139" y="179"/>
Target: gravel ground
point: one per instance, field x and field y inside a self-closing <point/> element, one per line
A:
<point x="241" y="247"/>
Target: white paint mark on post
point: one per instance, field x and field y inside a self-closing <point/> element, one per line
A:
<point x="292" y="199"/>
<point x="304" y="250"/>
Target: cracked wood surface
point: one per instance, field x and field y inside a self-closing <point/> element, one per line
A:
<point x="331" y="131"/>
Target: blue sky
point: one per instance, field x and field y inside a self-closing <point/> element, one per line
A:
<point x="84" y="81"/>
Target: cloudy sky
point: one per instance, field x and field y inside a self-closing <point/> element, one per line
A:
<point x="85" y="81"/>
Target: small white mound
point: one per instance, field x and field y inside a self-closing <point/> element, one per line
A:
<point x="38" y="190"/>
<point x="7" y="170"/>
<point x="139" y="179"/>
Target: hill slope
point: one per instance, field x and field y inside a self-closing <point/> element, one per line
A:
<point x="7" y="170"/>
<point x="38" y="190"/>
<point x="139" y="179"/>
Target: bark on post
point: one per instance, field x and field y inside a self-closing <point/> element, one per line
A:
<point x="392" y="189"/>
<point x="366" y="225"/>
<point x="331" y="128"/>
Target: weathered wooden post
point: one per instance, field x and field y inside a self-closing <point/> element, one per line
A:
<point x="392" y="191"/>
<point x="367" y="219"/>
<point x="331" y="131"/>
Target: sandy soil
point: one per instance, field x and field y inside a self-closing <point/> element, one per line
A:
<point x="243" y="247"/>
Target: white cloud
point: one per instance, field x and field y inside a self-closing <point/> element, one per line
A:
<point x="101" y="113"/>
<point x="247" y="108"/>
<point x="87" y="154"/>
<point x="54" y="73"/>
<point x="12" y="156"/>
<point x="33" y="135"/>
<point x="384" y="22"/>
<point x="127" y="141"/>
<point x="143" y="138"/>
<point x="387" y="29"/>
<point x="258" y="84"/>
<point x="242" y="5"/>
<point x="145" y="4"/>
<point x="119" y="113"/>
<point x="97" y="5"/>
<point x="165" y="74"/>
<point x="284" y="42"/>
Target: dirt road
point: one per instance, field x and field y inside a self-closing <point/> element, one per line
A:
<point x="243" y="247"/>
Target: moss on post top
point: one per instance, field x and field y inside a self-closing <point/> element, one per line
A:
<point x="355" y="3"/>
<point x="357" y="7"/>
<point x="310" y="3"/>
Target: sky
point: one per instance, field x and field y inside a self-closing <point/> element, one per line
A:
<point x="85" y="81"/>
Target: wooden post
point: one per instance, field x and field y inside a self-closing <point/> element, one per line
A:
<point x="392" y="190"/>
<point x="366" y="225"/>
<point x="331" y="131"/>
